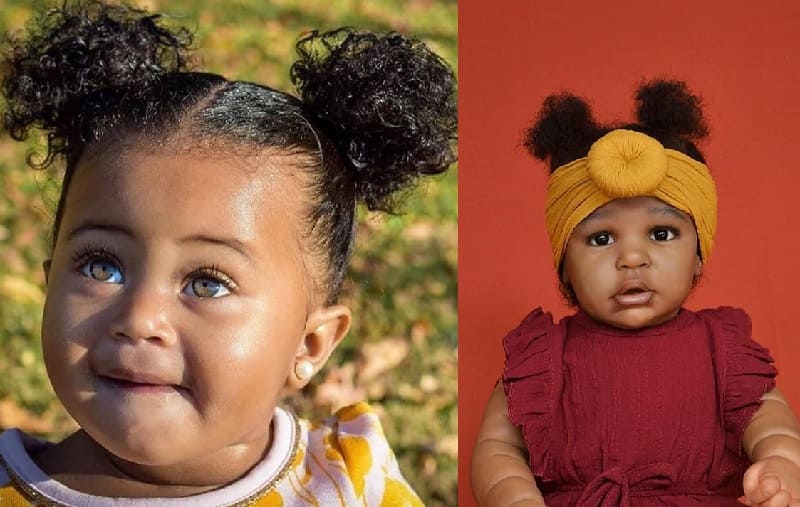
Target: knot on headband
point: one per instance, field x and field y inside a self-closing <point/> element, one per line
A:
<point x="624" y="163"/>
<point x="621" y="164"/>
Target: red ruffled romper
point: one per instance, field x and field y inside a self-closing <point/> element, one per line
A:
<point x="639" y="418"/>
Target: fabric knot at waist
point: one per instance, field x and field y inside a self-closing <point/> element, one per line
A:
<point x="613" y="486"/>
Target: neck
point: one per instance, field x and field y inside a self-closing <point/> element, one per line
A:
<point x="82" y="464"/>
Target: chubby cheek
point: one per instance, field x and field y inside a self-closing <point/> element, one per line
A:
<point x="590" y="296"/>
<point x="680" y="264"/>
<point x="70" y="326"/>
<point x="588" y="279"/>
<point x="239" y="364"/>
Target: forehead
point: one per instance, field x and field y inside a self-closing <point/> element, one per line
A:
<point x="162" y="190"/>
<point x="643" y="207"/>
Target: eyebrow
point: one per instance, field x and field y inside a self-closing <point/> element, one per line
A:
<point x="653" y="210"/>
<point x="669" y="210"/>
<point x="230" y="243"/>
<point x="96" y="226"/>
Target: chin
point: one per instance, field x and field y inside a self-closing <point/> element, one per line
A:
<point x="641" y="319"/>
<point x="630" y="324"/>
<point x="144" y="445"/>
<point x="141" y="451"/>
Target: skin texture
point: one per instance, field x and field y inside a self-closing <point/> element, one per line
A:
<point x="499" y="468"/>
<point x="179" y="299"/>
<point x="772" y="441"/>
<point x="637" y="244"/>
<point x="647" y="249"/>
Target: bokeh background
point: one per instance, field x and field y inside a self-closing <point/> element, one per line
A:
<point x="742" y="57"/>
<point x="401" y="353"/>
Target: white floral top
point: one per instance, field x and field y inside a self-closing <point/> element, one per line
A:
<point x="344" y="461"/>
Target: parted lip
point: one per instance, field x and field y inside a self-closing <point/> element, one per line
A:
<point x="632" y="286"/>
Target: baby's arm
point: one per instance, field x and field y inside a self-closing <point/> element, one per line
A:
<point x="500" y="473"/>
<point x="772" y="442"/>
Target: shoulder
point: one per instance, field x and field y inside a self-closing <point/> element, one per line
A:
<point x="353" y="434"/>
<point x="727" y="315"/>
<point x="536" y="342"/>
<point x="731" y="333"/>
<point x="535" y="327"/>
<point x="537" y="319"/>
<point x="348" y="454"/>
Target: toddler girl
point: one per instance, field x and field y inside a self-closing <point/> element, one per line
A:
<point x="633" y="400"/>
<point x="200" y="241"/>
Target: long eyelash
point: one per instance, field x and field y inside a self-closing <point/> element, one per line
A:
<point x="94" y="251"/>
<point x="214" y="272"/>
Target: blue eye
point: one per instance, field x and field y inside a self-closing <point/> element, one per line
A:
<point x="663" y="234"/>
<point x="102" y="270"/>
<point x="205" y="287"/>
<point x="601" y="239"/>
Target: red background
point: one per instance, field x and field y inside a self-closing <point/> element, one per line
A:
<point x="742" y="57"/>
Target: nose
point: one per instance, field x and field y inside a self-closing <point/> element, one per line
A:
<point x="143" y="314"/>
<point x="633" y="255"/>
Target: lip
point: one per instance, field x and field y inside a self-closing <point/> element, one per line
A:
<point x="139" y="382"/>
<point x="134" y="387"/>
<point x="633" y="293"/>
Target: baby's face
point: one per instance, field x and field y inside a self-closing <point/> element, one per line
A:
<point x="632" y="263"/>
<point x="177" y="301"/>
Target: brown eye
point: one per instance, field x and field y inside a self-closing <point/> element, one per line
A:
<point x="663" y="234"/>
<point x="601" y="239"/>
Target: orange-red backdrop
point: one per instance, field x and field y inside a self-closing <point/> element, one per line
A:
<point x="742" y="57"/>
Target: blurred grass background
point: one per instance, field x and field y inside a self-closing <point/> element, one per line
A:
<point x="401" y="354"/>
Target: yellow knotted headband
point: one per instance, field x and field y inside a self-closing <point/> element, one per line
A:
<point x="625" y="163"/>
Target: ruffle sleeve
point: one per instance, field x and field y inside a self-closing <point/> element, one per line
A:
<point x="744" y="371"/>
<point x="530" y="381"/>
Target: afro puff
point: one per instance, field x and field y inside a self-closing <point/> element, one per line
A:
<point x="666" y="110"/>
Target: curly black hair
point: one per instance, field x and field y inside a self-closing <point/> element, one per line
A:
<point x="666" y="110"/>
<point x="374" y="113"/>
<point x="565" y="128"/>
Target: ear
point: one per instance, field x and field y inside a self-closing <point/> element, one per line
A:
<point x="698" y="267"/>
<point x="563" y="276"/>
<point x="46" y="268"/>
<point x="325" y="329"/>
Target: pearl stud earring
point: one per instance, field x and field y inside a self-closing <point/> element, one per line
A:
<point x="304" y="369"/>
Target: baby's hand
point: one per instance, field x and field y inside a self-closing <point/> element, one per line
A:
<point x="772" y="482"/>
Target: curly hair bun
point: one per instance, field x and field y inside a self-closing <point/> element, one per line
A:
<point x="562" y="131"/>
<point x="81" y="48"/>
<point x="668" y="108"/>
<point x="386" y="101"/>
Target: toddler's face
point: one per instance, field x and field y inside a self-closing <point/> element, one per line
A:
<point x="177" y="301"/>
<point x="632" y="263"/>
